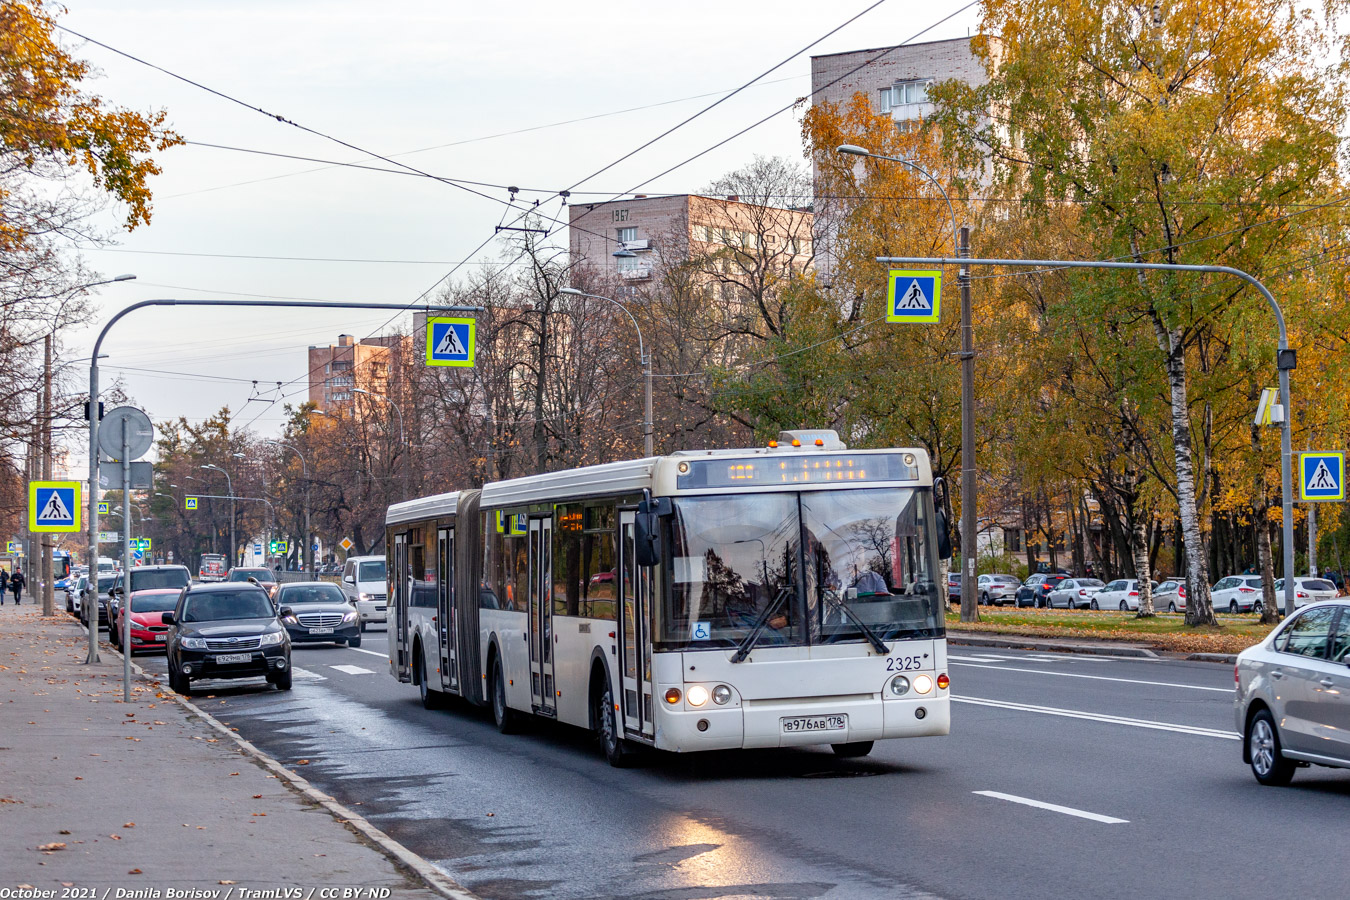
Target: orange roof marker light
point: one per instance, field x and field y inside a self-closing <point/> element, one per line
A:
<point x="796" y="443"/>
<point x="773" y="445"/>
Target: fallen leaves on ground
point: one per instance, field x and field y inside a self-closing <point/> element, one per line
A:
<point x="47" y="848"/>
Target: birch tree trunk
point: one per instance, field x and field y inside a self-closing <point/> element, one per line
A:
<point x="1142" y="570"/>
<point x="1199" y="608"/>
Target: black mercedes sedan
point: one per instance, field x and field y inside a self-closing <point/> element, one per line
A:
<point x="226" y="630"/>
<point x="319" y="612"/>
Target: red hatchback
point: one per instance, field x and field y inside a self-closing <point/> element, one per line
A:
<point x="147" y="608"/>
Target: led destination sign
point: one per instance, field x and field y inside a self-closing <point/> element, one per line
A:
<point x="803" y="470"/>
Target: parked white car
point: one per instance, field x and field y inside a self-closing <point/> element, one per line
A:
<point x="363" y="582"/>
<point x="1306" y="590"/>
<point x="1074" y="593"/>
<point x="1121" y="594"/>
<point x="1291" y="694"/>
<point x="1237" y="593"/>
<point x="997" y="589"/>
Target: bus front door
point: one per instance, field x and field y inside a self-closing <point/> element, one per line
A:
<point x="398" y="595"/>
<point x="445" y="608"/>
<point x="635" y="675"/>
<point x="541" y="617"/>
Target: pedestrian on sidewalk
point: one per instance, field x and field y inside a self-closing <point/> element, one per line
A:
<point x="16" y="583"/>
<point x="4" y="585"/>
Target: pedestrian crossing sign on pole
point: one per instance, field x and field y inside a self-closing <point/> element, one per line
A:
<point x="914" y="295"/>
<point x="54" y="505"/>
<point x="1321" y="476"/>
<point x="450" y="342"/>
<point x="11" y="547"/>
<point x="189" y="502"/>
<point x="103" y="507"/>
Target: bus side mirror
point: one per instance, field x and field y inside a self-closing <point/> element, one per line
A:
<point x="944" y="537"/>
<point x="647" y="530"/>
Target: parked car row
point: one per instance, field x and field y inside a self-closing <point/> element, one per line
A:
<point x="1233" y="594"/>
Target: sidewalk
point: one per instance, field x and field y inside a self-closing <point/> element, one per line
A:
<point x="1024" y="642"/>
<point x="150" y="796"/>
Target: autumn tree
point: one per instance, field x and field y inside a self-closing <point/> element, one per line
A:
<point x="1195" y="132"/>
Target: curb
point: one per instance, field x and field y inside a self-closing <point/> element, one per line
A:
<point x="1213" y="657"/>
<point x="430" y="874"/>
<point x="959" y="639"/>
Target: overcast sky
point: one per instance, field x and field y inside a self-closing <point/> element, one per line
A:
<point x="440" y="84"/>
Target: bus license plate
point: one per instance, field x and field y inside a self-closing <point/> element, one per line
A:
<point x="234" y="658"/>
<point x="801" y="724"/>
<point x="321" y="631"/>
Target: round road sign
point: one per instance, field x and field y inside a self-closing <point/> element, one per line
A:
<point x="140" y="433"/>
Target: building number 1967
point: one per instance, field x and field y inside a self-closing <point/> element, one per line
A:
<point x="620" y="215"/>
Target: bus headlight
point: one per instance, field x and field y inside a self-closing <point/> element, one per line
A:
<point x="899" y="685"/>
<point x="721" y="695"/>
<point x="697" y="695"/>
<point x="923" y="684"/>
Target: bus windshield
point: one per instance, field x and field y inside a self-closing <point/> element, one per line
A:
<point x="814" y="567"/>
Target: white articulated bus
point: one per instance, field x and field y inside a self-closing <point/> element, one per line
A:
<point x="766" y="597"/>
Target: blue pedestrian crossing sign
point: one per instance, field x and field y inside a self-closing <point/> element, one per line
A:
<point x="54" y="505"/>
<point x="914" y="295"/>
<point x="450" y="341"/>
<point x="103" y="507"/>
<point x="1321" y="476"/>
<point x="189" y="503"/>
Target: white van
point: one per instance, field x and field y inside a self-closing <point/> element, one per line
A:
<point x="363" y="582"/>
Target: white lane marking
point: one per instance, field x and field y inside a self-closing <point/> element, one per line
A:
<point x="982" y="659"/>
<point x="353" y="670"/>
<point x="1195" y="730"/>
<point x="1067" y="810"/>
<point x="1189" y="687"/>
<point x="371" y="652"/>
<point x="307" y="674"/>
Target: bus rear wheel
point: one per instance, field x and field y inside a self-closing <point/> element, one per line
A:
<point x="852" y="749"/>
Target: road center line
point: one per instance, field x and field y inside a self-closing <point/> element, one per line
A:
<point x="1194" y="730"/>
<point x="1066" y="810"/>
<point x="1188" y="687"/>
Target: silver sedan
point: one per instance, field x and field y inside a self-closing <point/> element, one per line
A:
<point x="1292" y="705"/>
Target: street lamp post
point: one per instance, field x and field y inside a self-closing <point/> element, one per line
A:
<point x="961" y="244"/>
<point x="304" y="473"/>
<point x="407" y="451"/>
<point x="644" y="358"/>
<point x="92" y="518"/>
<point x="229" y="486"/>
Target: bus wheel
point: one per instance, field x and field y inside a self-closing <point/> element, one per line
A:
<point x="856" y="748"/>
<point x="617" y="751"/>
<point x="431" y="699"/>
<point x="507" y="719"/>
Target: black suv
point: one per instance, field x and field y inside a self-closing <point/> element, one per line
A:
<point x="226" y="630"/>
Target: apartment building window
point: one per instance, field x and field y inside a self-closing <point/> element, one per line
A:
<point x="342" y="366"/>
<point x="904" y="93"/>
<point x="628" y="234"/>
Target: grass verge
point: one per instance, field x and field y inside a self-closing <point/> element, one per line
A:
<point x="1165" y="631"/>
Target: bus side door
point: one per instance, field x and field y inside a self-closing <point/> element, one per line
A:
<point x="542" y="695"/>
<point x="445" y="608"/>
<point x="398" y="596"/>
<point x="635" y="674"/>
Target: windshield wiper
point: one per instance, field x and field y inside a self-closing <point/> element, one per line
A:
<point x="871" y="635"/>
<point x="749" y="643"/>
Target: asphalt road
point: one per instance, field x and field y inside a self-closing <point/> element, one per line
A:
<point x="1065" y="776"/>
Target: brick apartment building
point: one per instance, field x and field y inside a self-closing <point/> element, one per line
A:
<point x="896" y="78"/>
<point x="338" y="368"/>
<point x="628" y="239"/>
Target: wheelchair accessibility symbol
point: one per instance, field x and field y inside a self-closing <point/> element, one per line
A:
<point x="702" y="631"/>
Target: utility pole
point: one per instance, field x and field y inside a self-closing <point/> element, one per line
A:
<point x="48" y="590"/>
<point x="970" y="612"/>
